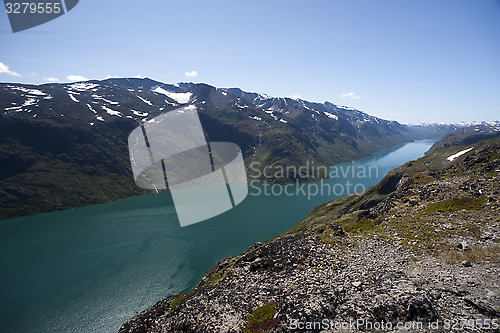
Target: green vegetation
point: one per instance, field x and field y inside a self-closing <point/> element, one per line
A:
<point x="360" y="226"/>
<point x="220" y="273"/>
<point x="331" y="237"/>
<point x="180" y="299"/>
<point x="261" y="319"/>
<point x="423" y="178"/>
<point x="487" y="253"/>
<point x="215" y="278"/>
<point x="494" y="156"/>
<point x="417" y="220"/>
<point x="418" y="234"/>
<point x="452" y="205"/>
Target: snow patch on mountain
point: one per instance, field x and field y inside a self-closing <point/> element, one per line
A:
<point x="73" y="98"/>
<point x="35" y="92"/>
<point x="140" y="114"/>
<point x="460" y="153"/>
<point x="331" y="115"/>
<point x="111" y="112"/>
<point x="82" y="86"/>
<point x="181" y="98"/>
<point x="270" y="112"/>
<point x="144" y="100"/>
<point x="14" y="108"/>
<point x="104" y="99"/>
<point x="171" y="103"/>
<point x="308" y="108"/>
<point x="91" y="109"/>
<point x="29" y="102"/>
<point x="346" y="107"/>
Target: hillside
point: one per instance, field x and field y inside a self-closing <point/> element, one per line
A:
<point x="65" y="145"/>
<point x="419" y="248"/>
<point x="464" y="139"/>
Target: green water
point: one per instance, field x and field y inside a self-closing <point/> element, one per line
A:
<point x="90" y="269"/>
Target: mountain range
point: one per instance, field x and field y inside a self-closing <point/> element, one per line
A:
<point x="65" y="145"/>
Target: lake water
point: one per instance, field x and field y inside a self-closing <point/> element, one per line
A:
<point x="90" y="269"/>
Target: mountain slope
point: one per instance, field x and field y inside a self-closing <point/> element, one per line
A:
<point x="420" y="250"/>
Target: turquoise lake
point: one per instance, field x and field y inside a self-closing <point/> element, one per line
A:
<point x="91" y="269"/>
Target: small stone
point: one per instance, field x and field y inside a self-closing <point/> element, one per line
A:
<point x="464" y="246"/>
<point x="466" y="263"/>
<point x="435" y="294"/>
<point x="356" y="283"/>
<point x="487" y="236"/>
<point x="490" y="294"/>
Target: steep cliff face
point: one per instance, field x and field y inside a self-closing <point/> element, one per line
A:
<point x="419" y="251"/>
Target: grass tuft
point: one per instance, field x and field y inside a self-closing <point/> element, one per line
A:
<point x="261" y="319"/>
<point x="452" y="205"/>
<point x="179" y="299"/>
<point x="423" y="178"/>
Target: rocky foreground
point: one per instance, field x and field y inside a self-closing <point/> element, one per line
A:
<point x="419" y="252"/>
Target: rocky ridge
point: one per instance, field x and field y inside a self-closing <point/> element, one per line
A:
<point x="418" y="252"/>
